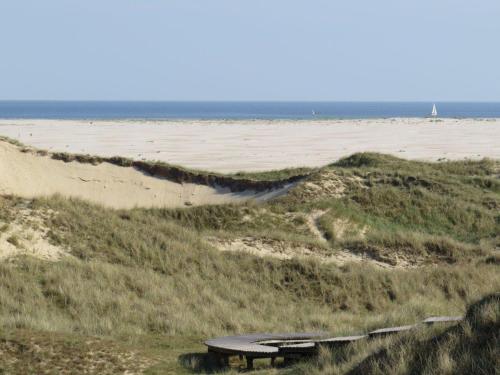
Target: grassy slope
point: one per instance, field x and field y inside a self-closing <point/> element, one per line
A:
<point x="471" y="347"/>
<point x="151" y="280"/>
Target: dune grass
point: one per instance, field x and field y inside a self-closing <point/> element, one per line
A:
<point x="471" y="347"/>
<point x="153" y="280"/>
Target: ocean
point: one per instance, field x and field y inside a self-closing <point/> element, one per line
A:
<point x="240" y="110"/>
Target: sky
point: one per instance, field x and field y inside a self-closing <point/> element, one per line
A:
<point x="276" y="50"/>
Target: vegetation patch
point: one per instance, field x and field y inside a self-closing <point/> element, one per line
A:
<point x="156" y="279"/>
<point x="471" y="347"/>
<point x="31" y="352"/>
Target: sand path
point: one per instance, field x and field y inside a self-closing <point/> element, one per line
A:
<point x="230" y="146"/>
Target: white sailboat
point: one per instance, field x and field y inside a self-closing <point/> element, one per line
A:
<point x="434" y="111"/>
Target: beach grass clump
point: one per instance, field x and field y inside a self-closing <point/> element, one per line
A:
<point x="279" y="174"/>
<point x="12" y="141"/>
<point x="14" y="240"/>
<point x="470" y="347"/>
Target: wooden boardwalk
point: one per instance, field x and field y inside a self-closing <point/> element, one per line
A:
<point x="263" y="345"/>
<point x="293" y="346"/>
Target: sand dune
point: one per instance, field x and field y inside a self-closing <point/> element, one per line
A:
<point x="28" y="175"/>
<point x="230" y="146"/>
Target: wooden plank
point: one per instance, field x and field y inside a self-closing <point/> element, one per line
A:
<point x="301" y="345"/>
<point x="391" y="330"/>
<point x="442" y="319"/>
<point x="283" y="342"/>
<point x="341" y="339"/>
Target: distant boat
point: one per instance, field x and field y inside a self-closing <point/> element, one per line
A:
<point x="434" y="111"/>
<point x="313" y="112"/>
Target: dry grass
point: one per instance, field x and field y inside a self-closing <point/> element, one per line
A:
<point x="144" y="275"/>
<point x="471" y="347"/>
<point x="32" y="352"/>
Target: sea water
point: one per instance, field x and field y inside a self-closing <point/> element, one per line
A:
<point x="240" y="110"/>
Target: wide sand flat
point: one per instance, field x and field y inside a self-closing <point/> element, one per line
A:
<point x="229" y="146"/>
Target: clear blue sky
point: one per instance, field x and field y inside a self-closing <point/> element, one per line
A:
<point x="250" y="50"/>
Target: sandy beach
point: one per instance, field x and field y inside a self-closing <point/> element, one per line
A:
<point x="243" y="145"/>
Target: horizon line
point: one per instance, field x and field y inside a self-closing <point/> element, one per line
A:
<point x="243" y="101"/>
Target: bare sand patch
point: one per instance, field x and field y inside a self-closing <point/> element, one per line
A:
<point x="286" y="250"/>
<point x="27" y="235"/>
<point x="29" y="175"/>
<point x="327" y="183"/>
<point x="264" y="247"/>
<point x="254" y="145"/>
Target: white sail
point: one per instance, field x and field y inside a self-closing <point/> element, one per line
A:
<point x="434" y="111"/>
